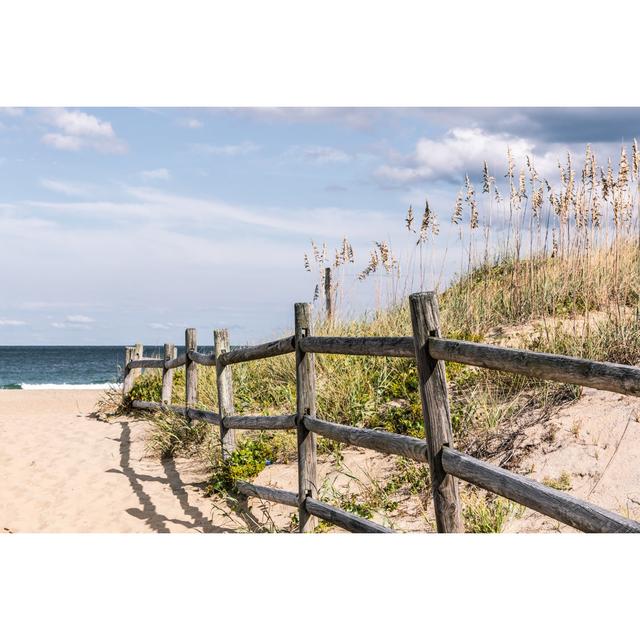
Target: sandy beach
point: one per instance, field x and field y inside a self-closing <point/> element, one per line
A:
<point x="64" y="470"/>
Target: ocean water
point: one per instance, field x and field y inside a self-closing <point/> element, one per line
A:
<point x="65" y="367"/>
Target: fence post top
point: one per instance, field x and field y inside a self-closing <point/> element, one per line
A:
<point x="302" y="312"/>
<point x="423" y="294"/>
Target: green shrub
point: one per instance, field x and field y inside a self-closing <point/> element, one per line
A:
<point x="147" y="387"/>
<point x="252" y="454"/>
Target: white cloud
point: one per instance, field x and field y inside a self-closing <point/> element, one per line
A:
<point x="79" y="130"/>
<point x="171" y="211"/>
<point x="60" y="141"/>
<point x="319" y="154"/>
<point x="458" y="152"/>
<point x="156" y="174"/>
<point x="241" y="149"/>
<point x="78" y="123"/>
<point x="79" y="319"/>
<point x="190" y="123"/>
<point x="67" y="188"/>
<point x="464" y="150"/>
<point x="5" y="322"/>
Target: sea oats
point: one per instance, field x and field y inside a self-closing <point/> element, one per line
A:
<point x="537" y="201"/>
<point x="510" y="165"/>
<point x="590" y="170"/>
<point x="617" y="207"/>
<point x="473" y="218"/>
<point x="533" y="174"/>
<point x="457" y="210"/>
<point x="486" y="179"/>
<point x="387" y="259"/>
<point x="371" y="267"/>
<point x="316" y="253"/>
<point x="350" y="252"/>
<point x="607" y="181"/>
<point x="409" y="219"/>
<point x="470" y="199"/>
<point x="383" y="248"/>
<point x="595" y="212"/>
<point x="623" y="169"/>
<point x="429" y="222"/>
<point x="563" y="175"/>
<point x="580" y="208"/>
<point x="522" y="186"/>
<point x="556" y="204"/>
<point x="347" y="251"/>
<point x="435" y="225"/>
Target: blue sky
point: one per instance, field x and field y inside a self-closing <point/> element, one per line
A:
<point x="130" y="224"/>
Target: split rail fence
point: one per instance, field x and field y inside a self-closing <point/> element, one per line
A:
<point x="446" y="464"/>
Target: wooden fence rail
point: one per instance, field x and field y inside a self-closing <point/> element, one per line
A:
<point x="174" y="363"/>
<point x="393" y="347"/>
<point x="430" y="351"/>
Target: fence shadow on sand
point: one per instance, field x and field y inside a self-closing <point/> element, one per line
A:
<point x="148" y="511"/>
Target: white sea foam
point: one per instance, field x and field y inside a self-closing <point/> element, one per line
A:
<point x="69" y="387"/>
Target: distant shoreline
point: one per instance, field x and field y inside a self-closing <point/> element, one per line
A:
<point x="59" y="387"/>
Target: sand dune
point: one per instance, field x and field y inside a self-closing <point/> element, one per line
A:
<point x="591" y="448"/>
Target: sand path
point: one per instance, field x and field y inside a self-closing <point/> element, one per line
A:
<point x="62" y="470"/>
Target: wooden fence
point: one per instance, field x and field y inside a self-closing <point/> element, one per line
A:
<point x="446" y="464"/>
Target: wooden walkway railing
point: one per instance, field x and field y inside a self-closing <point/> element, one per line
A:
<point x="446" y="464"/>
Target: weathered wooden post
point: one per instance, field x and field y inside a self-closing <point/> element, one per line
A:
<point x="327" y="293"/>
<point x="305" y="406"/>
<point x="167" y="374"/>
<point x="190" y="369"/>
<point x="425" y="319"/>
<point x="224" y="383"/>
<point x="138" y="354"/>
<point x="127" y="381"/>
